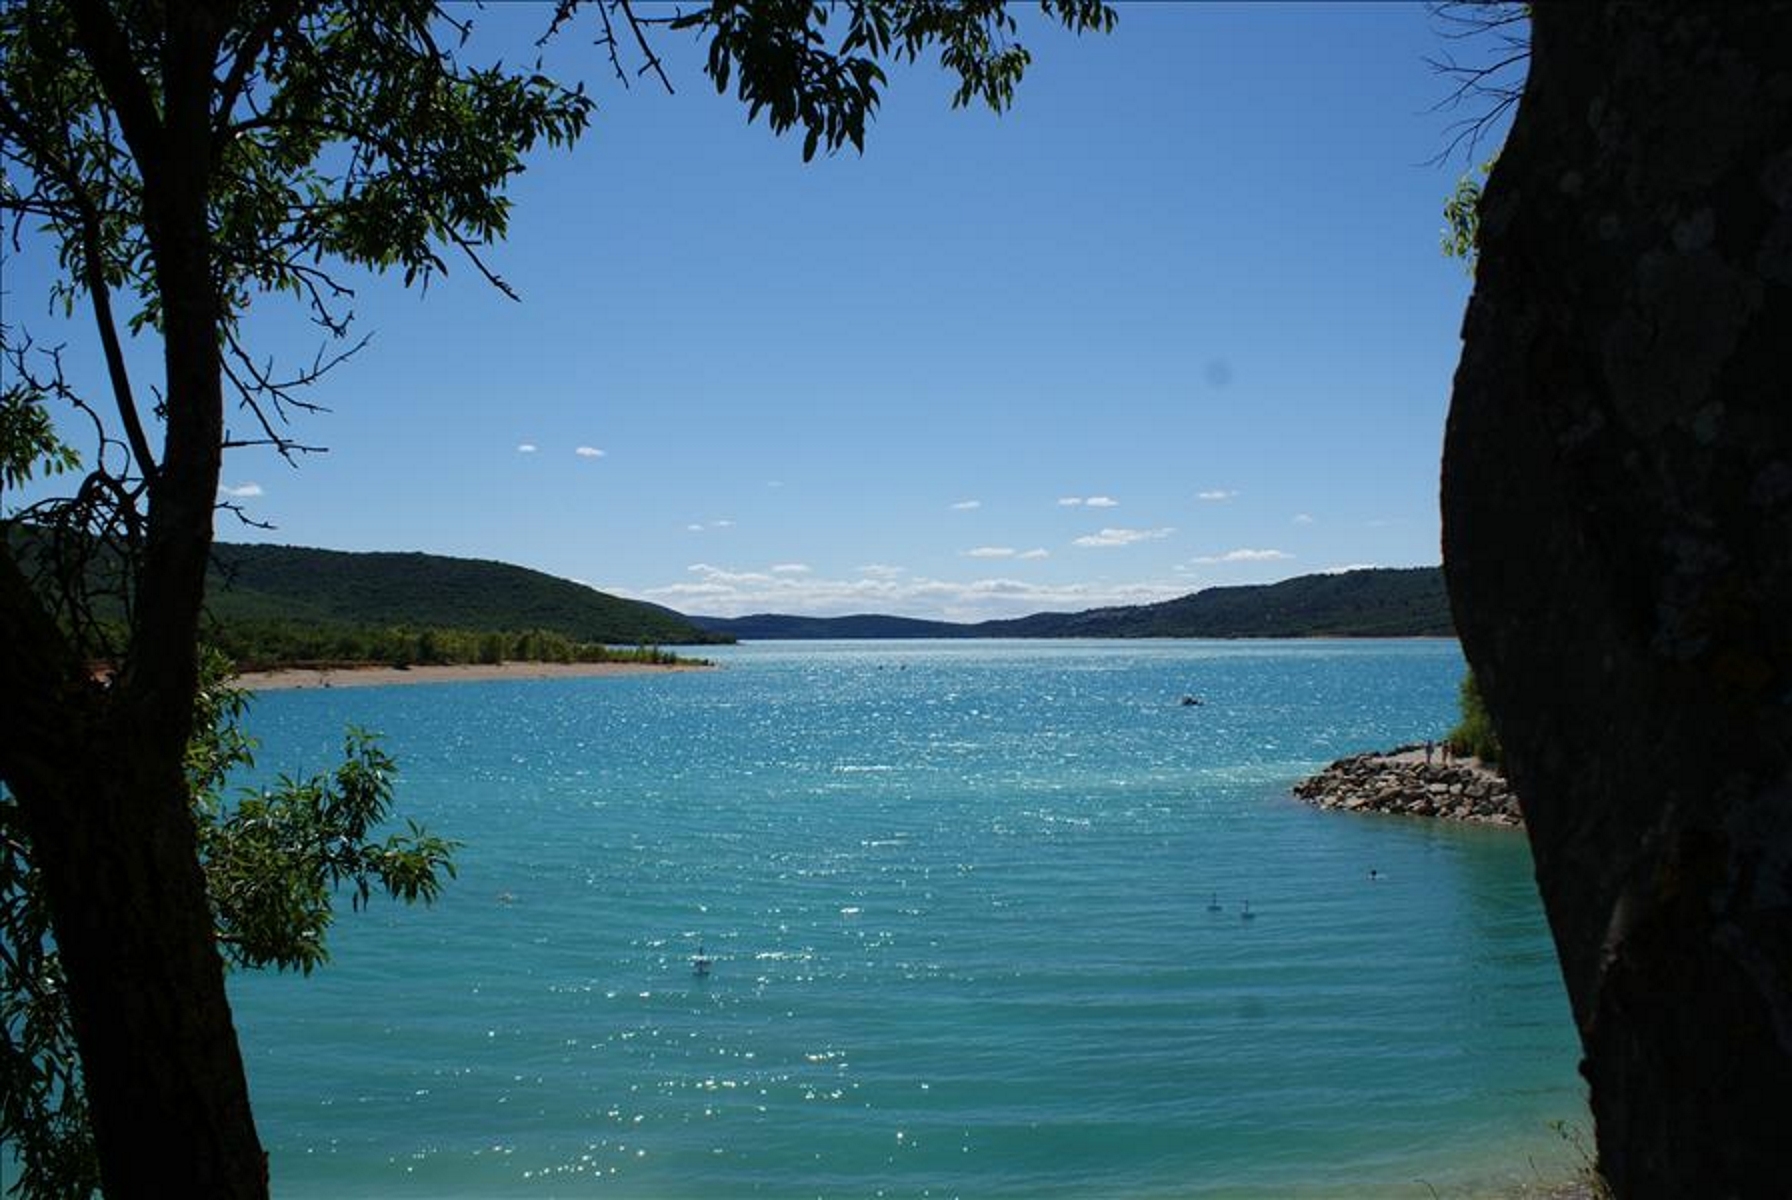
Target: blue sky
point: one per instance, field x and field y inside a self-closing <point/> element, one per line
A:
<point x="1178" y="319"/>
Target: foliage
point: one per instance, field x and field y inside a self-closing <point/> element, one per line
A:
<point x="777" y="54"/>
<point x="1474" y="735"/>
<point x="43" y="1107"/>
<point x="258" y="645"/>
<point x="346" y="137"/>
<point x="1462" y="216"/>
<point x="28" y="441"/>
<point x="274" y="858"/>
<point x="180" y="161"/>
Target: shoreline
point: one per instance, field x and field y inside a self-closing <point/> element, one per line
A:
<point x="1408" y="781"/>
<point x="284" y="679"/>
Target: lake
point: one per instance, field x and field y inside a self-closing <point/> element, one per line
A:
<point x="975" y="913"/>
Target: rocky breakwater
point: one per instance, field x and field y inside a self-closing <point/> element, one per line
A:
<point x="1403" y="782"/>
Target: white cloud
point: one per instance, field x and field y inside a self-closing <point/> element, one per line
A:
<point x="589" y="452"/>
<point x="1040" y="552"/>
<point x="526" y="447"/>
<point x="699" y="526"/>
<point x="790" y="569"/>
<point x="990" y="552"/>
<point x="1303" y="518"/>
<point x="695" y="527"/>
<point x="1238" y="556"/>
<point x="1102" y="502"/>
<point x="1123" y="537"/>
<point x="717" y="574"/>
<point x="1216" y="494"/>
<point x="719" y="591"/>
<point x="881" y="570"/>
<point x="724" y="523"/>
<point x="967" y="505"/>
<point x="1069" y="501"/>
<point x="242" y="491"/>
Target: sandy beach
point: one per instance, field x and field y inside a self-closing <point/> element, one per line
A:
<point x="287" y="679"/>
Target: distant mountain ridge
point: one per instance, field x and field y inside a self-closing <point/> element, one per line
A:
<point x="1372" y="602"/>
<point x="298" y="586"/>
<point x="252" y="583"/>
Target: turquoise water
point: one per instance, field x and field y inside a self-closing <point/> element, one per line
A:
<point x="957" y="897"/>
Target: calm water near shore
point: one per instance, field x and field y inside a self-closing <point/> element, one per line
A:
<point x="957" y="897"/>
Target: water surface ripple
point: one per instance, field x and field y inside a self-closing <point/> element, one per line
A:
<point x="958" y="901"/>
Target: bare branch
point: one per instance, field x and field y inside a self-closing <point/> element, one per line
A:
<point x="1494" y="85"/>
<point x="80" y="565"/>
<point x="81" y="211"/>
<point x="652" y="60"/>
<point x="471" y="250"/>
<point x="258" y="390"/>
<point x="608" y="42"/>
<point x="284" y="445"/>
<point x="563" y="14"/>
<point x="236" y="510"/>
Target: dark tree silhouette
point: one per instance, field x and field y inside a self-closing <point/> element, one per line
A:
<point x="183" y="158"/>
<point x="1617" y="500"/>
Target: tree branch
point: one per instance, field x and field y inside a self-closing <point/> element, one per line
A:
<point x="248" y="53"/>
<point x="114" y="63"/>
<point x="1499" y="81"/>
<point x="563" y="13"/>
<point x="652" y="60"/>
<point x="101" y="295"/>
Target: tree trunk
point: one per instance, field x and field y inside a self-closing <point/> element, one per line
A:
<point x="112" y="839"/>
<point x="114" y="848"/>
<point x="1617" y="505"/>
<point x="102" y="786"/>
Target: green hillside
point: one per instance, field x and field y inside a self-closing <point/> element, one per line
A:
<point x="257" y="584"/>
<point x="1377" y="602"/>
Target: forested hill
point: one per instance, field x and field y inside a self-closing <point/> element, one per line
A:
<point x="1376" y="602"/>
<point x="257" y="584"/>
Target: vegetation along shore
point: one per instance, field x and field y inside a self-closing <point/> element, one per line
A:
<point x="365" y="675"/>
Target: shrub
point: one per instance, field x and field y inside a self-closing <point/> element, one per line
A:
<point x="1474" y="734"/>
